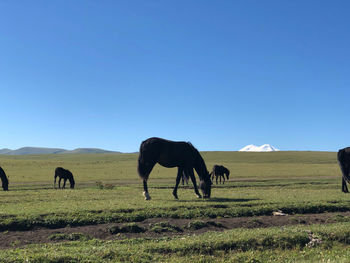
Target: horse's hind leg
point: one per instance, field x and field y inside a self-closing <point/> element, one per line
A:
<point x="344" y="187"/>
<point x="178" y="178"/>
<point x="145" y="190"/>
<point x="193" y="179"/>
<point x="345" y="172"/>
<point x="59" y="183"/>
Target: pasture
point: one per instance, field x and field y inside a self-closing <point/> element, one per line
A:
<point x="106" y="218"/>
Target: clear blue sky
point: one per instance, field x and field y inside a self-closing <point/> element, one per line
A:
<point x="221" y="74"/>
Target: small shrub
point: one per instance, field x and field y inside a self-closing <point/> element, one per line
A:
<point x="128" y="228"/>
<point x="341" y="218"/>
<point x="197" y="224"/>
<point x="164" y="227"/>
<point x="101" y="186"/>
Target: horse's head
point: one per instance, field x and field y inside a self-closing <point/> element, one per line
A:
<point x="72" y="183"/>
<point x="71" y="180"/>
<point x="205" y="186"/>
<point x="228" y="174"/>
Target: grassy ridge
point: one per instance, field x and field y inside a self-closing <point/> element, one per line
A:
<point x="290" y="244"/>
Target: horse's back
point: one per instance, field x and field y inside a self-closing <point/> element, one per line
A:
<point x="167" y="153"/>
<point x="61" y="172"/>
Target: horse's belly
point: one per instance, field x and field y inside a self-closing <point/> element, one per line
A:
<point x="167" y="164"/>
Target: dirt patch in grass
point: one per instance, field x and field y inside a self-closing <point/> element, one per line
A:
<point x="13" y="239"/>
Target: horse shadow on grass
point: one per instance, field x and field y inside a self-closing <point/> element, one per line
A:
<point x="221" y="200"/>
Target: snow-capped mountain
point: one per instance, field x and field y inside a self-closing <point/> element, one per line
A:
<point x="262" y="148"/>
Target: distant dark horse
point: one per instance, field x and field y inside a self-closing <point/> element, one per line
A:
<point x="5" y="181"/>
<point x="184" y="178"/>
<point x="344" y="163"/>
<point x="220" y="171"/>
<point x="65" y="175"/>
<point x="173" y="154"/>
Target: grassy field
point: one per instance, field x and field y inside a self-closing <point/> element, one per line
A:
<point x="296" y="183"/>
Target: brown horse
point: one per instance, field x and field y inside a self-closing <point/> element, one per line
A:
<point x="173" y="154"/>
<point x="65" y="175"/>
<point x="5" y="181"/>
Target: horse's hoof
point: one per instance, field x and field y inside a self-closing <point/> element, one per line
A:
<point x="147" y="196"/>
<point x="199" y="196"/>
<point x="175" y="195"/>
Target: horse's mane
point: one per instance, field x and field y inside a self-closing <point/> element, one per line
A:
<point x="200" y="166"/>
<point x="71" y="177"/>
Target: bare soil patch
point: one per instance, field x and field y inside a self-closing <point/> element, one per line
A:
<point x="13" y="239"/>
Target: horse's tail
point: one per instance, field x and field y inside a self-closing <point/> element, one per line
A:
<point x="341" y="160"/>
<point x="54" y="182"/>
<point x="55" y="176"/>
<point x="142" y="163"/>
<point x="4" y="179"/>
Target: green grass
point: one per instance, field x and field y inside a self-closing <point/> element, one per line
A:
<point x="289" y="244"/>
<point x="109" y="190"/>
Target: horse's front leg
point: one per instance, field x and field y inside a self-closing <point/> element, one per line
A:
<point x="193" y="179"/>
<point x="223" y="179"/>
<point x="64" y="183"/>
<point x="145" y="190"/>
<point x="344" y="186"/>
<point x="178" y="178"/>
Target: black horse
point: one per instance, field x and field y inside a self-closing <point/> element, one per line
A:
<point x="220" y="171"/>
<point x="5" y="181"/>
<point x="173" y="154"/>
<point x="65" y="175"/>
<point x="344" y="163"/>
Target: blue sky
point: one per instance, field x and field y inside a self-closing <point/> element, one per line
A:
<point x="221" y="74"/>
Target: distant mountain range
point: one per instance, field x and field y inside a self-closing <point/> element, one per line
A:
<point x="39" y="150"/>
<point x="262" y="148"/>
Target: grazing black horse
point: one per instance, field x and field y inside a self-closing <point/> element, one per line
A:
<point x="5" y="181"/>
<point x="173" y="154"/>
<point x="63" y="174"/>
<point x="344" y="163"/>
<point x="220" y="171"/>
